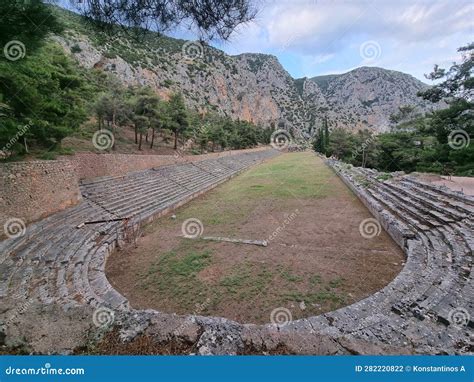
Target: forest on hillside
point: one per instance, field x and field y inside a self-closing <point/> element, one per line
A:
<point x="45" y="97"/>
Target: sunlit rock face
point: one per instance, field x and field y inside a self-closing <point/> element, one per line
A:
<point x="251" y="86"/>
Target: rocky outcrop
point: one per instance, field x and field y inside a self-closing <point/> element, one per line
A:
<point x="366" y="97"/>
<point x="250" y="86"/>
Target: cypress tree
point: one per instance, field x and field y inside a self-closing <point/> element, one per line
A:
<point x="322" y="148"/>
<point x="326" y="136"/>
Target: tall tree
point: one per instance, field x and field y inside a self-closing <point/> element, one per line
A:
<point x="341" y="145"/>
<point x="178" y="116"/>
<point x="319" y="142"/>
<point x="145" y="113"/>
<point x="458" y="79"/>
<point x="160" y="120"/>
<point x="457" y="90"/>
<point x="46" y="91"/>
<point x="326" y="136"/>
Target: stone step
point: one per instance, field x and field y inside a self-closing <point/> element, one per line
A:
<point x="445" y="248"/>
<point x="442" y="208"/>
<point x="422" y="210"/>
<point x="114" y="181"/>
<point x="215" y="168"/>
<point x="115" y="203"/>
<point x="127" y="187"/>
<point x="55" y="240"/>
<point x="35" y="232"/>
<point x="57" y="284"/>
<point x="434" y="196"/>
<point x="448" y="280"/>
<point x="414" y="222"/>
<point x="466" y="233"/>
<point x="189" y="175"/>
<point x="185" y="175"/>
<point x="458" y="196"/>
<point x="152" y="205"/>
<point x="196" y="182"/>
<point x="428" y="274"/>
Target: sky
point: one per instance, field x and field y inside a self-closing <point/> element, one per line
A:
<point x="318" y="37"/>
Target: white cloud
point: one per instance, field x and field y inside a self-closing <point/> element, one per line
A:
<point x="320" y="58"/>
<point x="328" y="34"/>
<point x="327" y="25"/>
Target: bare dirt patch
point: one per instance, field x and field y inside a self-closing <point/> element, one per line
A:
<point x="316" y="260"/>
<point x="464" y="184"/>
<point x="124" y="142"/>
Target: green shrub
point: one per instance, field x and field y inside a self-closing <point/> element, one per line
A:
<point x="76" y="49"/>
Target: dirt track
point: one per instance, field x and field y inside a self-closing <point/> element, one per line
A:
<point x="316" y="260"/>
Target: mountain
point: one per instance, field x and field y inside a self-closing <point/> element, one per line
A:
<point x="366" y="96"/>
<point x="253" y="87"/>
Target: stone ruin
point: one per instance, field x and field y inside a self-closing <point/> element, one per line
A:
<point x="55" y="272"/>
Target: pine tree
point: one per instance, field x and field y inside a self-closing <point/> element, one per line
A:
<point x="178" y="116"/>
<point x="322" y="141"/>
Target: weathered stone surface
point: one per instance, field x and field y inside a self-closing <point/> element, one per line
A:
<point x="33" y="190"/>
<point x="220" y="337"/>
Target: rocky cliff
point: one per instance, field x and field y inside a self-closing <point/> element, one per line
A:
<point x="253" y="87"/>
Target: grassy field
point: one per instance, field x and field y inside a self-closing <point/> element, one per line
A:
<point x="288" y="177"/>
<point x="313" y="263"/>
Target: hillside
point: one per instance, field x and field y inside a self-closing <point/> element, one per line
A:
<point x="366" y="96"/>
<point x="252" y="87"/>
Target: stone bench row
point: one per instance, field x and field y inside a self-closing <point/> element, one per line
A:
<point x="437" y="278"/>
<point x="147" y="191"/>
<point x="412" y="311"/>
<point x="62" y="260"/>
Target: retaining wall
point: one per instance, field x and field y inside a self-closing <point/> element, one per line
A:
<point x="92" y="165"/>
<point x="33" y="190"/>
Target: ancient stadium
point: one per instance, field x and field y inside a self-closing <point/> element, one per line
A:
<point x="241" y="178"/>
<point x="259" y="251"/>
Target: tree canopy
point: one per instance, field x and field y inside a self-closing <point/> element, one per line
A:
<point x="45" y="96"/>
<point x="211" y="18"/>
<point x="28" y="22"/>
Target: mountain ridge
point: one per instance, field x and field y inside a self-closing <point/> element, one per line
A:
<point x="249" y="86"/>
<point x="362" y="67"/>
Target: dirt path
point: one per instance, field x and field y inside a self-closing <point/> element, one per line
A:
<point x="316" y="259"/>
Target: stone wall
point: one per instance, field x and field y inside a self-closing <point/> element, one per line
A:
<point x="32" y="190"/>
<point x="92" y="165"/>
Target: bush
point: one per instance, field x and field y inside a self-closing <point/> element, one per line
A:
<point x="76" y="49"/>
